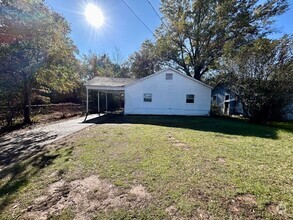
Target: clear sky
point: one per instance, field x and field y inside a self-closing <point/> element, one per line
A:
<point x="122" y="30"/>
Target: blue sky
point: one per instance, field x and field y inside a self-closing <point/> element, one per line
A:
<point x="122" y="30"/>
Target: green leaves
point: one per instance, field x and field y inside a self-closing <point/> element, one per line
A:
<point x="261" y="75"/>
<point x="197" y="31"/>
<point x="35" y="50"/>
<point x="146" y="61"/>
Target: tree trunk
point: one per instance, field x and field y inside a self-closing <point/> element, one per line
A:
<point x="9" y="114"/>
<point x="197" y="73"/>
<point x="26" y="103"/>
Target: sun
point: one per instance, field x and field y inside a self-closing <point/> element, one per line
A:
<point x="94" y="15"/>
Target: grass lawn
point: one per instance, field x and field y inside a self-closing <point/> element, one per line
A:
<point x="154" y="167"/>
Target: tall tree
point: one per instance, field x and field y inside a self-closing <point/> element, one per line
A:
<point x="195" y="33"/>
<point x="35" y="47"/>
<point x="144" y="62"/>
<point x="261" y="74"/>
<point x="101" y="65"/>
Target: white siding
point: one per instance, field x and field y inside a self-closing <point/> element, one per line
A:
<point x="168" y="96"/>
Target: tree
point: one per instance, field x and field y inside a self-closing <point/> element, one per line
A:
<point x="35" y="48"/>
<point x="261" y="74"/>
<point x="195" y="33"/>
<point x="144" y="62"/>
<point x="101" y="65"/>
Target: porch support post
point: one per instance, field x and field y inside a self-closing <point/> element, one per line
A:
<point x="106" y="101"/>
<point x="99" y="102"/>
<point x="87" y="100"/>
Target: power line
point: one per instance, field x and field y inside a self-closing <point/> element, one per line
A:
<point x="138" y="18"/>
<point x="154" y="10"/>
<point x="156" y="13"/>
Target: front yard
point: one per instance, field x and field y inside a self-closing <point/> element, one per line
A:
<point x="151" y="167"/>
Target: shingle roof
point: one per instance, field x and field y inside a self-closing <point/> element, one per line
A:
<point x="106" y="81"/>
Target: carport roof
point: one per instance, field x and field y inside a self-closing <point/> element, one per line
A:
<point x="109" y="82"/>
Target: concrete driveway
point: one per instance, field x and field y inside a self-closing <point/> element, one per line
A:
<point x="24" y="143"/>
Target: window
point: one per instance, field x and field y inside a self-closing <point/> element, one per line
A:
<point x="189" y="98"/>
<point x="227" y="97"/>
<point x="147" y="97"/>
<point x="169" y="76"/>
<point x="214" y="98"/>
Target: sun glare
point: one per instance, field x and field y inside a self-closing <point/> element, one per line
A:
<point x="94" y="15"/>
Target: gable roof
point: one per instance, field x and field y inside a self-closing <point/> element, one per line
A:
<point x="109" y="82"/>
<point x="169" y="69"/>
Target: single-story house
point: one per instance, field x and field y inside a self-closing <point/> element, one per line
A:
<point x="167" y="92"/>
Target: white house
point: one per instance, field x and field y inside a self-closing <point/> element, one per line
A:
<point x="167" y="92"/>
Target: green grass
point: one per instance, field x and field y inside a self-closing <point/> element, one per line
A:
<point x="204" y="167"/>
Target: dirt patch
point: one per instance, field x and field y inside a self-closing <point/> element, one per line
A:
<point x="197" y="194"/>
<point x="172" y="211"/>
<point x="247" y="199"/>
<point x="85" y="197"/>
<point x="183" y="145"/>
<point x="243" y="205"/>
<point x="276" y="209"/>
<point x="177" y="143"/>
<point x="140" y="192"/>
<point x="221" y="160"/>
<point x="199" y="213"/>
<point x="202" y="214"/>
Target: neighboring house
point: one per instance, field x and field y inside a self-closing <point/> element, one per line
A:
<point x="288" y="112"/>
<point x="226" y="102"/>
<point x="229" y="103"/>
<point x="167" y="92"/>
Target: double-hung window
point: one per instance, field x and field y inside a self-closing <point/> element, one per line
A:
<point x="189" y="98"/>
<point x="147" y="97"/>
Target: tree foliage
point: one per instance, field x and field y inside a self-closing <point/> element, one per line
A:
<point x="101" y="65"/>
<point x="146" y="61"/>
<point x="35" y="50"/>
<point x="195" y="33"/>
<point x="261" y="74"/>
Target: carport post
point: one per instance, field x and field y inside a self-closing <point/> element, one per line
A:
<point x="106" y="101"/>
<point x="87" y="100"/>
<point x="99" y="102"/>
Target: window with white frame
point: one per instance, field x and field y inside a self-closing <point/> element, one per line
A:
<point x="147" y="97"/>
<point x="189" y="98"/>
<point x="169" y="76"/>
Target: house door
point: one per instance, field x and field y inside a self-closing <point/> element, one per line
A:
<point x="226" y="108"/>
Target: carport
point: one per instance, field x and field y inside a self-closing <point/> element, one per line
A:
<point x="105" y="85"/>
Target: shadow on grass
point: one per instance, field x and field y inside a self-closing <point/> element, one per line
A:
<point x="18" y="148"/>
<point x="18" y="175"/>
<point x="208" y="124"/>
<point x="22" y="157"/>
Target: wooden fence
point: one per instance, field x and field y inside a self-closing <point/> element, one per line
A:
<point x="13" y="115"/>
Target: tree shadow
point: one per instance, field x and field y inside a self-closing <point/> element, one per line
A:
<point x="226" y="126"/>
<point x="18" y="148"/>
<point x="22" y="157"/>
<point x="18" y="175"/>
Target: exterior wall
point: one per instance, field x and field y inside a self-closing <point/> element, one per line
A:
<point x="288" y="112"/>
<point x="168" y="96"/>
